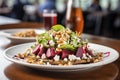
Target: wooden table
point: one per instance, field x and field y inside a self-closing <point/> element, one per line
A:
<point x="9" y="70"/>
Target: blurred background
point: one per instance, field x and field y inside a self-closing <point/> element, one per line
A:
<point x="102" y="17"/>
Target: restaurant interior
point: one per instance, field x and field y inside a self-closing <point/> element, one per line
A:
<point x="59" y="39"/>
<point x="102" y="19"/>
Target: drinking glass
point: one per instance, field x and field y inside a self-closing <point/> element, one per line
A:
<point x="49" y="18"/>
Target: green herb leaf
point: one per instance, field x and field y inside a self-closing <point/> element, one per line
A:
<point x="68" y="47"/>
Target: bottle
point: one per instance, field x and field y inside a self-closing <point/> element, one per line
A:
<point x="74" y="16"/>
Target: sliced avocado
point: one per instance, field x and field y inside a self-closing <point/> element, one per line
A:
<point x="58" y="27"/>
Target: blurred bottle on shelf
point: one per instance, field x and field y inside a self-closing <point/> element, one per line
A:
<point x="74" y="16"/>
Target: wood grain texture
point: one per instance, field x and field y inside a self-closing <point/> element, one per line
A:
<point x="22" y="25"/>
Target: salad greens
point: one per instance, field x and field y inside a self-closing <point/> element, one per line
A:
<point x="62" y="38"/>
<point x="68" y="47"/>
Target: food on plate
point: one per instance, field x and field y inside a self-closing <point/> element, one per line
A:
<point x="60" y="46"/>
<point x="27" y="33"/>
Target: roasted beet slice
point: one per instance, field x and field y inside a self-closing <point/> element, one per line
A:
<point x="58" y="52"/>
<point x="89" y="52"/>
<point x="80" y="52"/>
<point x="42" y="50"/>
<point x="72" y="52"/>
<point x="65" y="53"/>
<point x="36" y="50"/>
<point x="50" y="53"/>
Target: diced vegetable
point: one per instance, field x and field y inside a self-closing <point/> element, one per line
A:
<point x="80" y="52"/>
<point x="50" y="53"/>
<point x="89" y="52"/>
<point x="42" y="50"/>
<point x="36" y="50"/>
<point x="65" y="53"/>
<point x="58" y="52"/>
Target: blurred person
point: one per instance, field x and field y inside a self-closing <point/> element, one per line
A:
<point x="36" y="3"/>
<point x="48" y="4"/>
<point x="37" y="17"/>
<point x="31" y="12"/>
<point x="93" y="10"/>
<point x="17" y="10"/>
<point x="4" y="9"/>
<point x="26" y="2"/>
<point x="118" y="7"/>
<point x="62" y="12"/>
<point x="95" y="6"/>
<point x="117" y="21"/>
<point x="109" y="6"/>
<point x="117" y="18"/>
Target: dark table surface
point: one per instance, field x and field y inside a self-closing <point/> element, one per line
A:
<point x="12" y="71"/>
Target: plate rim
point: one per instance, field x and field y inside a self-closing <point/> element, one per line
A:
<point x="21" y="38"/>
<point x="60" y="67"/>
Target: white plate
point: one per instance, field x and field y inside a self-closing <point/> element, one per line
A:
<point x="7" y="33"/>
<point x="10" y="52"/>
